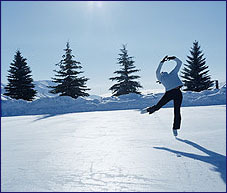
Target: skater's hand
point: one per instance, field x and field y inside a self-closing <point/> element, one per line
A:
<point x="171" y="58"/>
<point x="164" y="59"/>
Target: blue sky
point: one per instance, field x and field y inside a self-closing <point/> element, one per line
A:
<point x="97" y="30"/>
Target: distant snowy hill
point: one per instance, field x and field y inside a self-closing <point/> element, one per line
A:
<point x="2" y="88"/>
<point x="221" y="84"/>
<point x="42" y="88"/>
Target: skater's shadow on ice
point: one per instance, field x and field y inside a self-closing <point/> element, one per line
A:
<point x="46" y="116"/>
<point x="217" y="160"/>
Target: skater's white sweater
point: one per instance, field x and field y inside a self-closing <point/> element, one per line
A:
<point x="170" y="80"/>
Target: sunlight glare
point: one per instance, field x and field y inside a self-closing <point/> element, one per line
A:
<point x="94" y="4"/>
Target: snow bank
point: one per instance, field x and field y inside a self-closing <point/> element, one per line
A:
<point x="60" y="104"/>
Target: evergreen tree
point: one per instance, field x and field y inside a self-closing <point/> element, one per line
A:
<point x="126" y="83"/>
<point x="20" y="83"/>
<point x="68" y="82"/>
<point x="195" y="73"/>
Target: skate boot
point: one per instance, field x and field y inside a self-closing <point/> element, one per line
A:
<point x="151" y="110"/>
<point x="175" y="132"/>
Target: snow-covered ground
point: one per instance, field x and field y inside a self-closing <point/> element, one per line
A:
<point x="115" y="151"/>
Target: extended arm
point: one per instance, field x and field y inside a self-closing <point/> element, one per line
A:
<point x="177" y="68"/>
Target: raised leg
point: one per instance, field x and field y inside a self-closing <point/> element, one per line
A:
<point x="168" y="96"/>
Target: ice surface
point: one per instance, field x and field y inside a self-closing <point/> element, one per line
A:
<point x="115" y="151"/>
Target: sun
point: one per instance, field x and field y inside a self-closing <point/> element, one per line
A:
<point x="95" y="4"/>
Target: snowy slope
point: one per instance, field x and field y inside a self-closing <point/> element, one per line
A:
<point x="42" y="88"/>
<point x="115" y="151"/>
<point x="2" y="88"/>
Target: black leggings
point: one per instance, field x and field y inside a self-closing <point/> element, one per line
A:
<point x="176" y="96"/>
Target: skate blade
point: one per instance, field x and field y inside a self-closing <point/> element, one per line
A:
<point x="143" y="111"/>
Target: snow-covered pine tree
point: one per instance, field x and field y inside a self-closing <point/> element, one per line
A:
<point x="195" y="73"/>
<point x="126" y="80"/>
<point x="20" y="83"/>
<point x="67" y="79"/>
